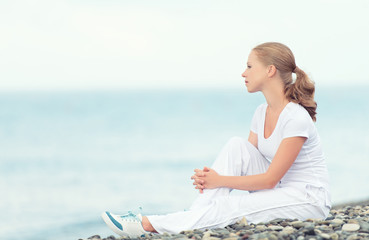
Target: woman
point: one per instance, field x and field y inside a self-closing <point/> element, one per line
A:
<point x="281" y="165"/>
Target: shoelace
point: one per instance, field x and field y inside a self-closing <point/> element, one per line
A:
<point x="131" y="217"/>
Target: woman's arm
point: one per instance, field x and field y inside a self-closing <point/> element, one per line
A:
<point x="285" y="156"/>
<point x="253" y="139"/>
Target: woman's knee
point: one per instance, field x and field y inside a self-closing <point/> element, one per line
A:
<point x="236" y="140"/>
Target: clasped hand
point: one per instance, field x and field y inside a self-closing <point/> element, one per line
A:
<point x="206" y="178"/>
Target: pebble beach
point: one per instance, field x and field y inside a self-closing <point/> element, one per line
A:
<point x="345" y="221"/>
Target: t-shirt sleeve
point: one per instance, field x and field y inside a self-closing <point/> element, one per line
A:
<point x="297" y="127"/>
<point x="255" y="120"/>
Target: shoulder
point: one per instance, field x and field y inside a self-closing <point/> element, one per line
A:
<point x="297" y="122"/>
<point x="259" y="111"/>
<point x="296" y="112"/>
<point x="261" y="108"/>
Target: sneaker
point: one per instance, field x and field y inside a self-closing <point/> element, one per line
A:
<point x="125" y="225"/>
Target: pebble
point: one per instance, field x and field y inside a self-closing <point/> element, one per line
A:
<point x="346" y="222"/>
<point x="275" y="228"/>
<point x="260" y="227"/>
<point x="364" y="226"/>
<point x="334" y="236"/>
<point x="350" y="227"/>
<point x="289" y="230"/>
<point x="297" y="224"/>
<point x="336" y="222"/>
<point x="325" y="236"/>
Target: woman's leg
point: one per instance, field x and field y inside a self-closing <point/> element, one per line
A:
<point x="259" y="206"/>
<point x="238" y="157"/>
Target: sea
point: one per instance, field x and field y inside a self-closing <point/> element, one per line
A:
<point x="67" y="156"/>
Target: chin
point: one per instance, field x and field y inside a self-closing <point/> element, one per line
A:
<point x="250" y="90"/>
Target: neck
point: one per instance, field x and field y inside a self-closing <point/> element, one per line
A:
<point x="274" y="95"/>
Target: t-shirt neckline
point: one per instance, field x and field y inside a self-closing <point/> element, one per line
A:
<point x="276" y="125"/>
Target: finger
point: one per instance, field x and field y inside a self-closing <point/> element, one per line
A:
<point x="206" y="169"/>
<point x="199" y="174"/>
<point x="199" y="186"/>
<point x="199" y="181"/>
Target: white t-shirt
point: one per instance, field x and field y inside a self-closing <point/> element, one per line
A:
<point x="309" y="168"/>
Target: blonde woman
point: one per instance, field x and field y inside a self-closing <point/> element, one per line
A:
<point x="281" y="165"/>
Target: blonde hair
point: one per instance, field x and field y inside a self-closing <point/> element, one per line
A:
<point x="302" y="90"/>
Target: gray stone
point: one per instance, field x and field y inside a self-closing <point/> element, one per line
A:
<point x="297" y="224"/>
<point x="275" y="228"/>
<point x="95" y="237"/>
<point x="309" y="225"/>
<point x="334" y="236"/>
<point x="110" y="238"/>
<point x="220" y="232"/>
<point x="196" y="237"/>
<point x="309" y="228"/>
<point x="330" y="217"/>
<point x="276" y="221"/>
<point x="207" y="234"/>
<point x="260" y="227"/>
<point x="325" y="228"/>
<point x="210" y="238"/>
<point x="177" y="236"/>
<point x="288" y="230"/>
<point x="353" y="237"/>
<point x="272" y="237"/>
<point x="336" y="222"/>
<point x="352" y="221"/>
<point x="364" y="226"/>
<point x="325" y="236"/>
<point x="285" y="224"/>
<point x="350" y="227"/>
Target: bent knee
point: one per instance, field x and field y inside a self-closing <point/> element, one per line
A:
<point x="236" y="140"/>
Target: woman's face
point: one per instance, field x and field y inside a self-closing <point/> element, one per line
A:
<point x="255" y="73"/>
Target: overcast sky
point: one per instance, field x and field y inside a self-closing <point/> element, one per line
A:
<point x="113" y="44"/>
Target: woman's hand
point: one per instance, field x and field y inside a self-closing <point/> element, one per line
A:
<point x="206" y="178"/>
<point x="197" y="181"/>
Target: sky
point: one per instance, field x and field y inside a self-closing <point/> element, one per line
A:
<point x="145" y="44"/>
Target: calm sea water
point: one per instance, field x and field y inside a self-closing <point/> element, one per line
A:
<point x="67" y="156"/>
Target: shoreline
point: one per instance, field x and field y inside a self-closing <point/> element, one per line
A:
<point x="345" y="221"/>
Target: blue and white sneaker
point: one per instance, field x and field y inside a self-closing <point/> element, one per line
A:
<point x="129" y="224"/>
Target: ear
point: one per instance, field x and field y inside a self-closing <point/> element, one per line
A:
<point x="271" y="70"/>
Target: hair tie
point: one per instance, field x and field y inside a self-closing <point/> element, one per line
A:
<point x="295" y="70"/>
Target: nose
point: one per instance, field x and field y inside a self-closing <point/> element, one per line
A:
<point x="244" y="74"/>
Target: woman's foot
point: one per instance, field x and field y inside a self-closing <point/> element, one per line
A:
<point x="127" y="225"/>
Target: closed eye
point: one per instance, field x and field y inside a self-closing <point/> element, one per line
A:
<point x="248" y="66"/>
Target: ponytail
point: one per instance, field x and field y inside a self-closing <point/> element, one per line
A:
<point x="302" y="92"/>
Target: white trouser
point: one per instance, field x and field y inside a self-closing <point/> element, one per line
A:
<point x="217" y="208"/>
